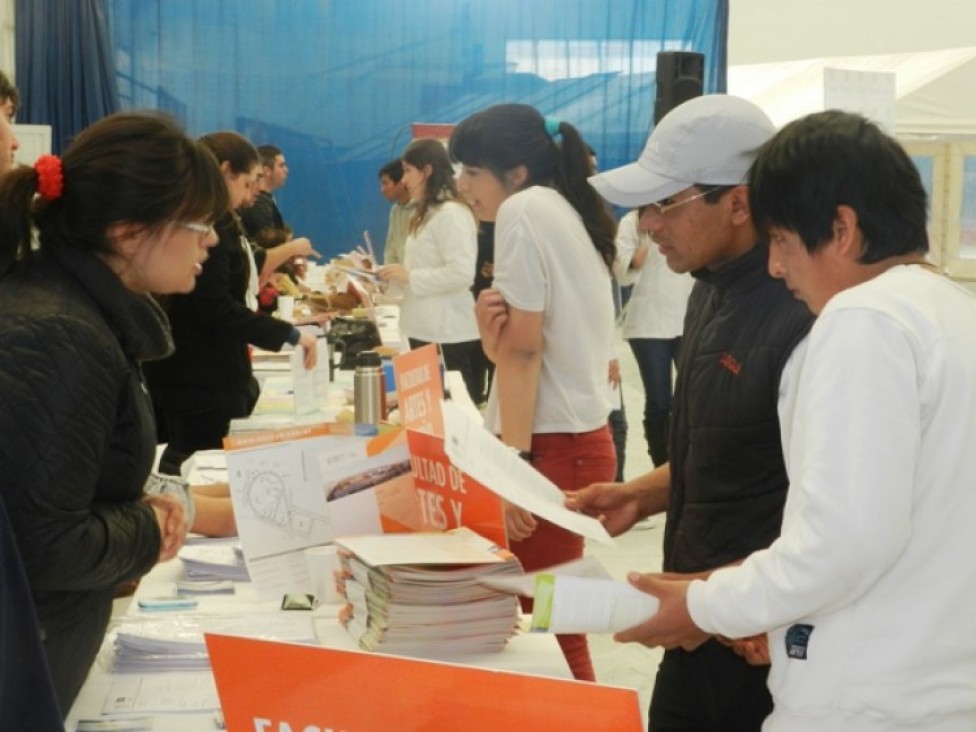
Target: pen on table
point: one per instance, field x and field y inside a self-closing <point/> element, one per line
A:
<point x="115" y="724"/>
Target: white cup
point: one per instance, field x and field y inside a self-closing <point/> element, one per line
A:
<point x="286" y="307"/>
<point x="323" y="563"/>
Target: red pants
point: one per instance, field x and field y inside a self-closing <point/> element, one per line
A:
<point x="571" y="461"/>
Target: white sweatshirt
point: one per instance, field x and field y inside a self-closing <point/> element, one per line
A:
<point x="872" y="585"/>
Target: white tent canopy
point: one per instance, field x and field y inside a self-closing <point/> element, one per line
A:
<point x="935" y="90"/>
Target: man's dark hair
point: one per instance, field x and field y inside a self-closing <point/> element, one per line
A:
<point x="830" y="159"/>
<point x="268" y="153"/>
<point x="9" y="91"/>
<point x="392" y="170"/>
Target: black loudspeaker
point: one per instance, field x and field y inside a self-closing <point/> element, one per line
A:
<point x="679" y="78"/>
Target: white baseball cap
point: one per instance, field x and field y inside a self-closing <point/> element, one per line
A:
<point x="711" y="139"/>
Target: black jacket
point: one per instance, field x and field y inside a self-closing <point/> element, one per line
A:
<point x="212" y="325"/>
<point x="262" y="214"/>
<point x="76" y="435"/>
<point x="728" y="478"/>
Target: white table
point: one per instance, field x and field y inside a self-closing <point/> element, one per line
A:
<point x="526" y="653"/>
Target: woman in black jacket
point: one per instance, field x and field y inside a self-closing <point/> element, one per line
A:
<point x="127" y="211"/>
<point x="208" y="380"/>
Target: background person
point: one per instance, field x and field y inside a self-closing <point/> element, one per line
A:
<point x="438" y="267"/>
<point x="402" y="209"/>
<point x="653" y="323"/>
<point x="208" y="381"/>
<point x="262" y="211"/>
<point x="126" y="212"/>
<point x="547" y="322"/>
<point x="262" y="220"/>
<point x="724" y="487"/>
<point x="867" y="594"/>
<point x="9" y="144"/>
<point x="484" y="274"/>
<point x="9" y="97"/>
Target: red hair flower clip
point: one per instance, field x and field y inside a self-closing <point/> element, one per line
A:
<point x="50" y="177"/>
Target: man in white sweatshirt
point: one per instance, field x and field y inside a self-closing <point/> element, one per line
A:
<point x="868" y="594"/>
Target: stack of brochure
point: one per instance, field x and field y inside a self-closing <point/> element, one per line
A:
<point x="214" y="561"/>
<point x="176" y="643"/>
<point x="420" y="594"/>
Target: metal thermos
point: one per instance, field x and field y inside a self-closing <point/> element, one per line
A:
<point x="367" y="388"/>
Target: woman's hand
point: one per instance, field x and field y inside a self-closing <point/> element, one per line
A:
<point x="171" y="517"/>
<point x="519" y="523"/>
<point x="394" y="273"/>
<point x="491" y="312"/>
<point x="301" y="247"/>
<point x="310" y="344"/>
<point x="614" y="376"/>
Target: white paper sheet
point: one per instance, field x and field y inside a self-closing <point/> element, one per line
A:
<point x="566" y="604"/>
<point x="187" y="691"/>
<point x="280" y="493"/>
<point x="457" y="546"/>
<point x="480" y="454"/>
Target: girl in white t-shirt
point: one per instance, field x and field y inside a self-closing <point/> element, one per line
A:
<point x="547" y="321"/>
<point x="439" y="263"/>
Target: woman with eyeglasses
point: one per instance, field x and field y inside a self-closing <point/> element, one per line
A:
<point x="118" y="217"/>
<point x="208" y="380"/>
<point x="547" y="321"/>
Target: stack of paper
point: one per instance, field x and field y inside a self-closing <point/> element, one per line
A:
<point x="176" y="643"/>
<point x="420" y="595"/>
<point x="214" y="561"/>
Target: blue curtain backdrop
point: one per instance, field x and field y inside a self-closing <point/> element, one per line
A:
<point x="64" y="66"/>
<point x="337" y="83"/>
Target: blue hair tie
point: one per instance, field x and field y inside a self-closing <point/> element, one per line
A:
<point x="552" y="126"/>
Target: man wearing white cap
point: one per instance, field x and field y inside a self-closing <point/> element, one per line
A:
<point x="725" y="485"/>
<point x="867" y="594"/>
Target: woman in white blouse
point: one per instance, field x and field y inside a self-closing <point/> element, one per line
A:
<point x="653" y="323"/>
<point x="439" y="263"/>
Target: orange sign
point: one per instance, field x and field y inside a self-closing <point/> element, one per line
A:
<point x="438" y="130"/>
<point x="420" y="390"/>
<point x="271" y="687"/>
<point x="450" y="498"/>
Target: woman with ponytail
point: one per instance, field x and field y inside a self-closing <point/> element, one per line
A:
<point x="547" y="322"/>
<point x="127" y="211"/>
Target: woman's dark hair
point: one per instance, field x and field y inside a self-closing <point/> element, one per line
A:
<point x="440" y="185"/>
<point x="830" y="159"/>
<point x="136" y="167"/>
<point x="233" y="149"/>
<point x="505" y="136"/>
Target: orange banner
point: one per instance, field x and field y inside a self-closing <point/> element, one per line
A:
<point x="272" y="687"/>
<point x="449" y="497"/>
